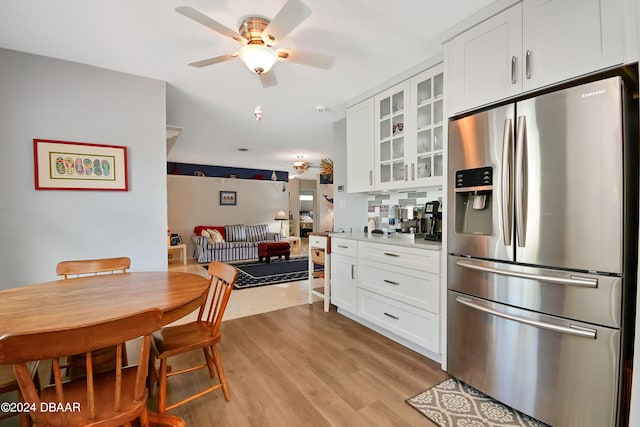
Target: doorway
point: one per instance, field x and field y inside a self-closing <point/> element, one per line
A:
<point x="307" y="210"/>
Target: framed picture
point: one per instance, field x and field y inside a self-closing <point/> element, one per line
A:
<point x="62" y="165"/>
<point x="228" y="198"/>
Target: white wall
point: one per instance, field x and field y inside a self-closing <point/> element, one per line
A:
<point x="53" y="99"/>
<point x="194" y="200"/>
<point x="349" y="209"/>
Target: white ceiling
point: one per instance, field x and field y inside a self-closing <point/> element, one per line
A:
<point x="371" y="40"/>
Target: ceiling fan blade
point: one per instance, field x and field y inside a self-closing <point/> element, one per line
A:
<point x="215" y="60"/>
<point x="268" y="79"/>
<point x="317" y="60"/>
<point x="289" y="17"/>
<point x="203" y="19"/>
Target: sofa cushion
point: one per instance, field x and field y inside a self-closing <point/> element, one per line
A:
<point x="215" y="236"/>
<point x="257" y="233"/>
<point x="235" y="233"/>
<point x="197" y="230"/>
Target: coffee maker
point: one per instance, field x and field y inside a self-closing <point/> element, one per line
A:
<point x="433" y="215"/>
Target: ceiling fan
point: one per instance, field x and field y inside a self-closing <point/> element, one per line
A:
<point x="325" y="166"/>
<point x="258" y="35"/>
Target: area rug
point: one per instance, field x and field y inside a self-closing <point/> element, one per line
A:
<point x="453" y="403"/>
<point x="253" y="273"/>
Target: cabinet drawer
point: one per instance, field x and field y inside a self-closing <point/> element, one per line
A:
<point x="420" y="289"/>
<point x="413" y="324"/>
<point x="402" y="256"/>
<point x="318" y="242"/>
<point x="344" y="247"/>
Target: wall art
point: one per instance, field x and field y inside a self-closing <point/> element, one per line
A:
<point x="228" y="198"/>
<point x="63" y="165"/>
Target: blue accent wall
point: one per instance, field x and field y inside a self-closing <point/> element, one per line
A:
<point x="174" y="168"/>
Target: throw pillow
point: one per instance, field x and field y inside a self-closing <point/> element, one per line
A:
<point x="235" y="233"/>
<point x="216" y="237"/>
<point x="205" y="234"/>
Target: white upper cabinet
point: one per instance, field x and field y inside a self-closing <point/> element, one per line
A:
<point x="533" y="44"/>
<point x="425" y="146"/>
<point x="360" y="142"/>
<point x="483" y="64"/>
<point x="392" y="122"/>
<point x="566" y="38"/>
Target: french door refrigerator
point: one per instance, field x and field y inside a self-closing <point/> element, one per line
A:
<point x="542" y="249"/>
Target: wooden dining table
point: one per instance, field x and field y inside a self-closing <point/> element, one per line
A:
<point x="81" y="301"/>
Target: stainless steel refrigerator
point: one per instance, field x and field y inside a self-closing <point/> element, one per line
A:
<point x="542" y="250"/>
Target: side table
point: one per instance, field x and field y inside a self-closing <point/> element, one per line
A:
<point x="183" y="251"/>
<point x="294" y="242"/>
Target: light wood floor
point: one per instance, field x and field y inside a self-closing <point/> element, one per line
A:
<point x="290" y="364"/>
<point x="300" y="366"/>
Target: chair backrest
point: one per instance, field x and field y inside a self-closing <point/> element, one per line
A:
<point x="223" y="278"/>
<point x="92" y="267"/>
<point x="118" y="395"/>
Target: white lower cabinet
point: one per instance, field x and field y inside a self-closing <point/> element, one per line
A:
<point x="416" y="325"/>
<point x="417" y="288"/>
<point x="343" y="274"/>
<point x="390" y="287"/>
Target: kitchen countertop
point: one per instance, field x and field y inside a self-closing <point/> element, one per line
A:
<point x="393" y="239"/>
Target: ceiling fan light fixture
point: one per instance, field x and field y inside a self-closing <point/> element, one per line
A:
<point x="300" y="165"/>
<point x="258" y="58"/>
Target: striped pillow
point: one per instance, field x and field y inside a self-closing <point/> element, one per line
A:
<point x="257" y="233"/>
<point x="235" y="233"/>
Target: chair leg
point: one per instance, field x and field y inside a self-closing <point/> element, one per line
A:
<point x="152" y="376"/>
<point x="209" y="359"/>
<point x="144" y="418"/>
<point x="162" y="387"/>
<point x="221" y="376"/>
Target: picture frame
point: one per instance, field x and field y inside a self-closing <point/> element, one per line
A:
<point x="65" y="165"/>
<point x="228" y="198"/>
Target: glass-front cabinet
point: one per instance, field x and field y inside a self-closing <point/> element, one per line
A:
<point x="391" y="125"/>
<point x="407" y="125"/>
<point x="429" y="131"/>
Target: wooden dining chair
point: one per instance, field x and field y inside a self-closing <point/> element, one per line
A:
<point x="104" y="358"/>
<point x="107" y="399"/>
<point x="203" y="334"/>
<point x="9" y="384"/>
<point x="92" y="267"/>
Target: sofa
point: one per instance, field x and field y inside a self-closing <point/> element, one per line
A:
<point x="238" y="242"/>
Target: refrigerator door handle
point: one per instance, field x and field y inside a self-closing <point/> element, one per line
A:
<point x="571" y="280"/>
<point x="507" y="172"/>
<point x="521" y="187"/>
<point x="571" y="330"/>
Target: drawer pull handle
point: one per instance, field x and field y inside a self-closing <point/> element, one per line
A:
<point x="391" y="315"/>
<point x="391" y="282"/>
<point x="343" y="246"/>
<point x="392" y="254"/>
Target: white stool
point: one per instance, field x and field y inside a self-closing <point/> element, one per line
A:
<point x="320" y="249"/>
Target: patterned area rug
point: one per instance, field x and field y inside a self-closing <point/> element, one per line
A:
<point x="453" y="403"/>
<point x="252" y="274"/>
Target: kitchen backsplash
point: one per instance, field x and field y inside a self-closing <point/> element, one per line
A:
<point x="382" y="206"/>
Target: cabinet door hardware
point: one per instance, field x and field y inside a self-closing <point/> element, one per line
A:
<point x="528" y="64"/>
<point x="391" y="315"/>
<point x="392" y="254"/>
<point x="514" y="69"/>
<point x="391" y="282"/>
